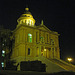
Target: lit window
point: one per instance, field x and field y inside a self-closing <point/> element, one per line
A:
<point x="30" y="38"/>
<point x="27" y="22"/>
<point x="3" y="44"/>
<point x="28" y="51"/>
<point x="2" y="63"/>
<point x="3" y="55"/>
<point x="3" y="51"/>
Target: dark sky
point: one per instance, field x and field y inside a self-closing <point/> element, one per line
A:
<point x="58" y="15"/>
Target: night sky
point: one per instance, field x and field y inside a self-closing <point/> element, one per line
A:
<point x="58" y="15"/>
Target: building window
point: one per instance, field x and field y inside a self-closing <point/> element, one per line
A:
<point x="42" y="39"/>
<point x="2" y="63"/>
<point x="53" y="48"/>
<point x="31" y="23"/>
<point x="28" y="51"/>
<point x="3" y="53"/>
<point x="27" y="22"/>
<point x="51" y="42"/>
<point x="30" y="38"/>
<point x="3" y="44"/>
<point x="49" y="49"/>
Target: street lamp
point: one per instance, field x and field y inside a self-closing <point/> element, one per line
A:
<point x="69" y="59"/>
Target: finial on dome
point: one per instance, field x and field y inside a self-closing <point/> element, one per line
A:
<point x="26" y="9"/>
<point x="42" y="22"/>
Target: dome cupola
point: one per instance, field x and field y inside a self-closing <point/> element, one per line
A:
<point x="26" y="18"/>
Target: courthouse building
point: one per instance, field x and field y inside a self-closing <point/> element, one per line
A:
<point x="35" y="42"/>
<point x="32" y="41"/>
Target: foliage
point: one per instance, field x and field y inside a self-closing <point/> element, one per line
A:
<point x="10" y="65"/>
<point x="5" y="39"/>
<point x="5" y="44"/>
<point x="32" y="66"/>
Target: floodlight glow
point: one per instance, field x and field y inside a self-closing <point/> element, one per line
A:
<point x="69" y="59"/>
<point x="3" y="44"/>
<point x="3" y="51"/>
<point x="30" y="34"/>
<point x="2" y="64"/>
<point x="3" y="55"/>
<point x="44" y="49"/>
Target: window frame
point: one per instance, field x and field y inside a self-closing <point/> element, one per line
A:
<point x="29" y="38"/>
<point x="29" y="53"/>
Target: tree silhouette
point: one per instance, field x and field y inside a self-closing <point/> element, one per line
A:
<point x="5" y="44"/>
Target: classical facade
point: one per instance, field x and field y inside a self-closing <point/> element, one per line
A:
<point x="33" y="42"/>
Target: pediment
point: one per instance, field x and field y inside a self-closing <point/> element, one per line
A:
<point x="43" y="27"/>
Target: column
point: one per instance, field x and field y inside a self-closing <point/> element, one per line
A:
<point x="39" y="50"/>
<point x="54" y="53"/>
<point x="51" y="53"/>
<point x="58" y="53"/>
<point x="35" y="51"/>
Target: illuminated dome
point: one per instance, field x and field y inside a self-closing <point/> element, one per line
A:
<point x="26" y="18"/>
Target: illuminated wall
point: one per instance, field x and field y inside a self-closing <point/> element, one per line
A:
<point x="32" y="41"/>
<point x="26" y="18"/>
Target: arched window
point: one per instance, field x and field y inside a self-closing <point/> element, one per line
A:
<point x="30" y="38"/>
<point x="42" y="39"/>
<point x="30" y="22"/>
